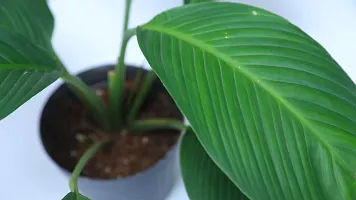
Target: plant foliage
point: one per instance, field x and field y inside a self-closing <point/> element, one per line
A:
<point x="269" y="105"/>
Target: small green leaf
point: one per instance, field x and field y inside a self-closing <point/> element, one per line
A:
<point x="202" y="178"/>
<point x="75" y="196"/>
<point x="25" y="69"/>
<point x="30" y="18"/>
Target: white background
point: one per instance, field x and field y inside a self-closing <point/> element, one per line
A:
<point x="88" y="34"/>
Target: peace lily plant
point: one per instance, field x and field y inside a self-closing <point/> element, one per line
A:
<point x="272" y="114"/>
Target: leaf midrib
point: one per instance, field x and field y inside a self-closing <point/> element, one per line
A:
<point x="230" y="61"/>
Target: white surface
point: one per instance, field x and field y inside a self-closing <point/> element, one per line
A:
<point x="88" y="33"/>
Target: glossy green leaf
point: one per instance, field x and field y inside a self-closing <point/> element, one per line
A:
<point x="30" y="18"/>
<point x="196" y="1"/>
<point x="202" y="178"/>
<point x="75" y="196"/>
<point x="25" y="69"/>
<point x="267" y="102"/>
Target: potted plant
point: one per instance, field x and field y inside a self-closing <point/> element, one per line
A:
<point x="272" y="114"/>
<point x="124" y="110"/>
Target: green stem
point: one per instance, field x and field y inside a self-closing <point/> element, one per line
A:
<point x="127" y="14"/>
<point x="135" y="85"/>
<point x="80" y="165"/>
<point x="142" y="93"/>
<point x="117" y="79"/>
<point x="157" y="124"/>
<point x="86" y="95"/>
<point x="61" y="66"/>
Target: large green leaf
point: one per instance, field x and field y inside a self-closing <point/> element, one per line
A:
<point x="25" y="66"/>
<point x="267" y="102"/>
<point x="30" y="18"/>
<point x="202" y="178"/>
<point x="196" y="1"/>
<point x="25" y="69"/>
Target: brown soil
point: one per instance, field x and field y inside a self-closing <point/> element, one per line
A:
<point x="68" y="130"/>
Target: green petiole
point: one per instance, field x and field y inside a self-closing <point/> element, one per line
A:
<point x="157" y="124"/>
<point x="142" y="93"/>
<point x="73" y="182"/>
<point x="87" y="96"/>
<point x="117" y="78"/>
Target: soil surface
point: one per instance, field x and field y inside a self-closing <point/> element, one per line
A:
<point x="68" y="130"/>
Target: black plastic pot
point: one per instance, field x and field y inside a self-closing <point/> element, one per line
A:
<point x="154" y="183"/>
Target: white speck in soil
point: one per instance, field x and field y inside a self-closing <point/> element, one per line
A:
<point x="80" y="137"/>
<point x="125" y="161"/>
<point x="107" y="170"/>
<point x="99" y="93"/>
<point x="124" y="132"/>
<point x="254" y="12"/>
<point x="145" y="140"/>
<point x="111" y="73"/>
<point x="73" y="153"/>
